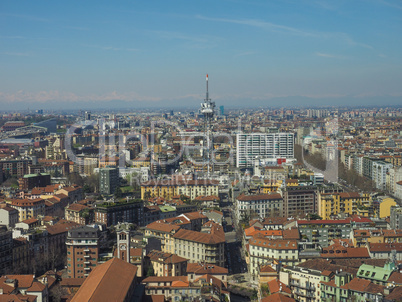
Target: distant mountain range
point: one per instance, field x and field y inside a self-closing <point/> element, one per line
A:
<point x="194" y="104"/>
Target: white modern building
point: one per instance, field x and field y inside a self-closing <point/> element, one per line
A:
<point x="379" y="173"/>
<point x="262" y="145"/>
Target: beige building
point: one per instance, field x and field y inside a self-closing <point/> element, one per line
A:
<point x="264" y="250"/>
<point x="197" y="270"/>
<point x="173" y="288"/>
<point x="304" y="282"/>
<point x="163" y="231"/>
<point x="77" y="212"/>
<point x="166" y="264"/>
<point x="205" y="246"/>
<point x="29" y="208"/>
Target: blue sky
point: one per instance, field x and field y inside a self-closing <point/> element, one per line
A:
<point x="69" y="53"/>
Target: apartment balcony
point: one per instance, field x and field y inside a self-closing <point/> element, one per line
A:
<point x="87" y="262"/>
<point x="306" y="287"/>
<point x="87" y="268"/>
<point x="87" y="256"/>
<point x="87" y="250"/>
<point x="305" y="294"/>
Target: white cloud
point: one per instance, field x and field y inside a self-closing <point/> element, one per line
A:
<point x="246" y="53"/>
<point x="112" y="48"/>
<point x="327" y="55"/>
<point x="261" y="24"/>
<point x="346" y="38"/>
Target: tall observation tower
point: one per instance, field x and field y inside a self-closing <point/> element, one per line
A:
<point x="208" y="111"/>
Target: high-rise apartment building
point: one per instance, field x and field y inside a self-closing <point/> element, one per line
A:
<point x="82" y="251"/>
<point x="6" y="253"/>
<point x="263" y="145"/>
<point x="109" y="180"/>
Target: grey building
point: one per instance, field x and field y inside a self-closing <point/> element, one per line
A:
<point x="318" y="233"/>
<point x="396" y="218"/>
<point x="109" y="180"/>
<point x="6" y="250"/>
<point x="299" y="200"/>
<point x="368" y="166"/>
<point x="112" y="213"/>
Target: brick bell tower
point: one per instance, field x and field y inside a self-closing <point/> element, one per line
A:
<point x="123" y="232"/>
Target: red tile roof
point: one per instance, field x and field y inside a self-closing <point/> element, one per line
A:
<point x="37" y="287"/>
<point x="278" y="297"/>
<point x="167" y="258"/>
<point x="164" y="279"/>
<point x="396" y="278"/>
<point x="30" y="221"/>
<point x="207" y="238"/>
<point x="384" y="247"/>
<point x="62" y="227"/>
<point x="278" y="244"/>
<point x="340" y="221"/>
<point x="275" y="286"/>
<point x="363" y="286"/>
<point x="76" y="207"/>
<point x="162" y="227"/>
<point x="24" y="281"/>
<point x="292" y="233"/>
<point x="244" y="197"/>
<point x="110" y="281"/>
<point x="267" y="269"/>
<point x="207" y="198"/>
<point x="205" y="268"/>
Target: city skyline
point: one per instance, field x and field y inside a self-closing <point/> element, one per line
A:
<point x="106" y="54"/>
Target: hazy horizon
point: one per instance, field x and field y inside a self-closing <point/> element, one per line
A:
<point x="156" y="54"/>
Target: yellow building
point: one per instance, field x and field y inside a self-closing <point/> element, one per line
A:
<point x="360" y="238"/>
<point x="157" y="148"/>
<point x="351" y="203"/>
<point x="269" y="187"/>
<point x="141" y="162"/>
<point x="385" y="207"/>
<point x="106" y="161"/>
<point x="328" y="204"/>
<point x="29" y="208"/>
<point x="191" y="188"/>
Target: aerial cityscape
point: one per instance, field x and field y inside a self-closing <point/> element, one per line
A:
<point x="201" y="151"/>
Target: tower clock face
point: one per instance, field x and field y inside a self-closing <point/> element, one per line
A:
<point x="122" y="247"/>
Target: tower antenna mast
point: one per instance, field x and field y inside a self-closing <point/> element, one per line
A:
<point x="208" y="111"/>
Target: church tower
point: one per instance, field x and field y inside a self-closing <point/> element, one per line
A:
<point x="123" y="241"/>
